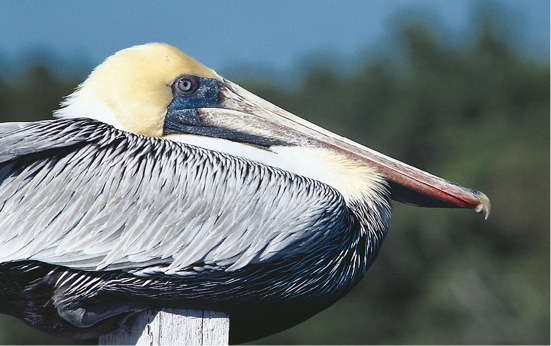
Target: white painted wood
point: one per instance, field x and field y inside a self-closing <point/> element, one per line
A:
<point x="172" y="327"/>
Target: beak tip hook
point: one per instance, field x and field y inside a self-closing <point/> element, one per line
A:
<point x="484" y="205"/>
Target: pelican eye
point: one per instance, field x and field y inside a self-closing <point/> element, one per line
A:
<point x="185" y="85"/>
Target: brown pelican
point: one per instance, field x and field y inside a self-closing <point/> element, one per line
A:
<point x="163" y="184"/>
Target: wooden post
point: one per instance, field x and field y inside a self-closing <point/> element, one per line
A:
<point x="172" y="327"/>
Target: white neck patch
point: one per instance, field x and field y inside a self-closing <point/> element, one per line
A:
<point x="84" y="104"/>
<point x="354" y="180"/>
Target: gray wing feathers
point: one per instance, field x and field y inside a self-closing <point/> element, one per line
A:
<point x="18" y="139"/>
<point x="128" y="201"/>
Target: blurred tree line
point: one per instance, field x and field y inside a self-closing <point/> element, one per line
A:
<point x="475" y="113"/>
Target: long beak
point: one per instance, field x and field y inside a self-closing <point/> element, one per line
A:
<point x="408" y="184"/>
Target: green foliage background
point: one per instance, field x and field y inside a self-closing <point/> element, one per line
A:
<point x="476" y="113"/>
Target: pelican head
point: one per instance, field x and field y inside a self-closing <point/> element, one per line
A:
<point x="132" y="89"/>
<point x="156" y="90"/>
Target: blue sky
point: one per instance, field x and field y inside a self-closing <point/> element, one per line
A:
<point x="276" y="35"/>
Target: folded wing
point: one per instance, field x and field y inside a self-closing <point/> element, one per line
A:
<point x="82" y="194"/>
